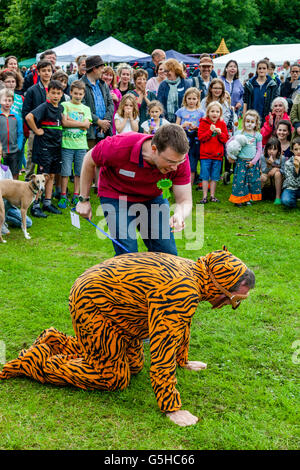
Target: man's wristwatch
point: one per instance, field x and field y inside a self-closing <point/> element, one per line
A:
<point x="83" y="199"/>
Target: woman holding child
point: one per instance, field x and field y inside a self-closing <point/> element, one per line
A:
<point x="143" y="96"/>
<point x="233" y="85"/>
<point x="110" y="78"/>
<point x="171" y="90"/>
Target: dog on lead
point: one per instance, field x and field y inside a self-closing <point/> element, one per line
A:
<point x="20" y="194"/>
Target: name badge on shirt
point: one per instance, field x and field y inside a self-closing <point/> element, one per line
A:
<point x="131" y="174"/>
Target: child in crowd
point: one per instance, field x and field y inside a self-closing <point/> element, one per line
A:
<point x="291" y="184"/>
<point x="155" y="110"/>
<point x="46" y="123"/>
<point x="12" y="81"/>
<point x="212" y="135"/>
<point x="36" y="95"/>
<point x="232" y="125"/>
<point x="246" y="184"/>
<point x="272" y="166"/>
<point x="11" y="133"/>
<point x="76" y="119"/>
<point x="127" y="117"/>
<point x="189" y="117"/>
<point x="284" y="135"/>
<point x="62" y="77"/>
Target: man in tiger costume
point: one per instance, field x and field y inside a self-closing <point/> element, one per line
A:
<point x="117" y="304"/>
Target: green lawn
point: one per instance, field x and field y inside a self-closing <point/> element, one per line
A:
<point x="248" y="398"/>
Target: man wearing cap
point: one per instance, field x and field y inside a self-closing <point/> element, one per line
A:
<point x="204" y="75"/>
<point x="99" y="100"/>
<point x="134" y="169"/>
<point x="116" y="305"/>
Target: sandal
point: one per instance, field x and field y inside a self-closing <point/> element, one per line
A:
<point x="204" y="201"/>
<point x="214" y="199"/>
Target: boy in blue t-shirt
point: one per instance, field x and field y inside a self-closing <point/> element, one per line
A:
<point x="46" y="123"/>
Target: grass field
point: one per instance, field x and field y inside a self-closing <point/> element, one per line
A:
<point x="248" y="398"/>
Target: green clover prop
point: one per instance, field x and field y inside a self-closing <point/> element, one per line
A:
<point x="165" y="185"/>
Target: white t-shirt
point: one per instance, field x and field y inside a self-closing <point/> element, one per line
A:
<point x="146" y="127"/>
<point x="127" y="127"/>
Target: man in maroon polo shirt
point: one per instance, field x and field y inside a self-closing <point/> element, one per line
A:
<point x="132" y="169"/>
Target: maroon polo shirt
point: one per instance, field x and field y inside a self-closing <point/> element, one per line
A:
<point x="123" y="172"/>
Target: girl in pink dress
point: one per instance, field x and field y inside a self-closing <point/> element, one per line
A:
<point x="110" y="78"/>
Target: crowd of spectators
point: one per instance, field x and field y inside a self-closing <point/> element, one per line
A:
<point x="60" y="116"/>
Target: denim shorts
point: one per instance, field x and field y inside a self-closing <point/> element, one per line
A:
<point x="69" y="156"/>
<point x="210" y="169"/>
<point x="194" y="152"/>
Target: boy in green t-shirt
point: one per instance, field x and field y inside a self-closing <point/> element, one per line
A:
<point x="74" y="141"/>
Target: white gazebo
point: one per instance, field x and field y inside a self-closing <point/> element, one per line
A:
<point x="248" y="57"/>
<point x="111" y="50"/>
<point x="69" y="50"/>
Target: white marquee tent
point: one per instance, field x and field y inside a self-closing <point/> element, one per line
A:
<point x="110" y="49"/>
<point x="69" y="50"/>
<point x="248" y="57"/>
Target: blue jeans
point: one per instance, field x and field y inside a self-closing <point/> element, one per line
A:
<point x="289" y="197"/>
<point x="151" y="218"/>
<point x="68" y="156"/>
<point x="13" y="217"/>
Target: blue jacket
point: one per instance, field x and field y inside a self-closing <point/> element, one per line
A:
<point x="11" y="133"/>
<point x="260" y="98"/>
<point x="163" y="92"/>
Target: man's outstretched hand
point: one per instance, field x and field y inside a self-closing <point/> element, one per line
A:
<point x="182" y="418"/>
<point x="195" y="365"/>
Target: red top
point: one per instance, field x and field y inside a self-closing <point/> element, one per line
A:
<point x="212" y="146"/>
<point x="123" y="172"/>
<point x="267" y="130"/>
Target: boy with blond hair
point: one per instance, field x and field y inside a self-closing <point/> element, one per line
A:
<point x="11" y="133"/>
<point x="76" y="119"/>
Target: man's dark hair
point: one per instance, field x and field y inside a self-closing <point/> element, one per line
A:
<point x="173" y="136"/>
<point x="248" y="278"/>
<point x="43" y="63"/>
<point x="56" y="85"/>
<point x="48" y="52"/>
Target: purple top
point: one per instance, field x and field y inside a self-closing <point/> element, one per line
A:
<point x="118" y="94"/>
<point x="235" y="89"/>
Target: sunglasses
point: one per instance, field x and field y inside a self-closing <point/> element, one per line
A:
<point x="235" y="299"/>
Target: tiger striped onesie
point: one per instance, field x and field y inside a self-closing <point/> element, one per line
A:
<point x="114" y="306"/>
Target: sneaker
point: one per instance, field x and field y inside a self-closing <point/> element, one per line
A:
<point x="5" y="229"/>
<point x="277" y="201"/>
<point x="75" y="200"/>
<point x="248" y="203"/>
<point x="37" y="212"/>
<point x="52" y="209"/>
<point x="238" y="204"/>
<point x="64" y="202"/>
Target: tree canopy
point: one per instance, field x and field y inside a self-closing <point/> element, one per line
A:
<point x="189" y="26"/>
